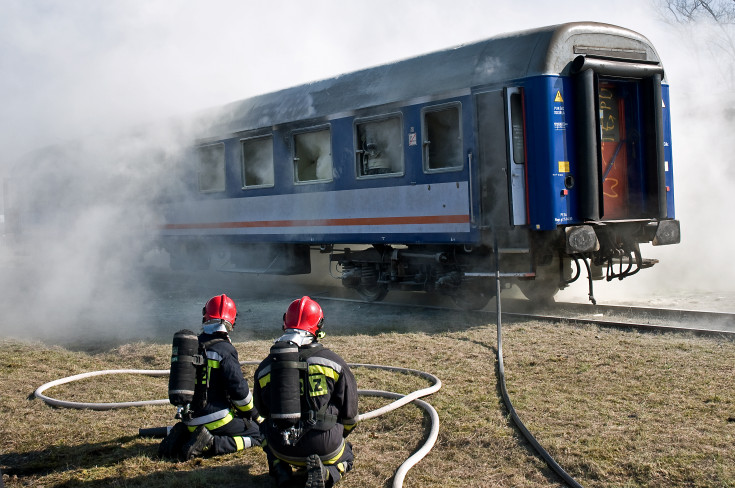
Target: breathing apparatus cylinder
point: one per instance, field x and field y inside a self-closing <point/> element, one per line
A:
<point x="185" y="358"/>
<point x="285" y="383"/>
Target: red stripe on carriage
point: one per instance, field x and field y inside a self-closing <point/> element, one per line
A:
<point x="427" y="219"/>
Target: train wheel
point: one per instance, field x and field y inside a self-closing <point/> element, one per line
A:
<point x="474" y="296"/>
<point x="191" y="256"/>
<point x="220" y="258"/>
<point x="372" y="293"/>
<point x="546" y="285"/>
<point x="539" y="291"/>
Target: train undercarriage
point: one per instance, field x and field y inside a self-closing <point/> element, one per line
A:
<point x="467" y="274"/>
<point x="374" y="271"/>
<point x="540" y="264"/>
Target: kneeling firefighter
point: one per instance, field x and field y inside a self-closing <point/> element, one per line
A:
<point x="206" y="384"/>
<point x="308" y="396"/>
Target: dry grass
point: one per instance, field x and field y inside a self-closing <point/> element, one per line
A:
<point x="615" y="408"/>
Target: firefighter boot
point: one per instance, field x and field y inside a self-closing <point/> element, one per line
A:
<point x="171" y="444"/>
<point x="201" y="441"/>
<point x="283" y="474"/>
<point x="316" y="473"/>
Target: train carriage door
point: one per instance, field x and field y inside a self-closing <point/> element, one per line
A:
<point x="493" y="129"/>
<point x="619" y="139"/>
<point x="517" y="154"/>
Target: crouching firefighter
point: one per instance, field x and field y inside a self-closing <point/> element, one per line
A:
<point x="214" y="402"/>
<point x="308" y="396"/>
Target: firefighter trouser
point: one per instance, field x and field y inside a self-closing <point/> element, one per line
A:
<point x="235" y="435"/>
<point x="338" y="465"/>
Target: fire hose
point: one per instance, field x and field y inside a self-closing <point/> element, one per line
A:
<point x="399" y="401"/>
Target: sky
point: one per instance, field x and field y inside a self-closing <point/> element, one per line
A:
<point x="75" y="68"/>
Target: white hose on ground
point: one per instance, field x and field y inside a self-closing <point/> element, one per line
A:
<point x="400" y="400"/>
<point x="99" y="406"/>
<point x="428" y="444"/>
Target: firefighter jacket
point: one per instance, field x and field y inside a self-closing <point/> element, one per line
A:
<point x="331" y="389"/>
<point x="228" y="393"/>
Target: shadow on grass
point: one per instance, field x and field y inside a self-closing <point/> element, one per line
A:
<point x="220" y="476"/>
<point x="90" y="458"/>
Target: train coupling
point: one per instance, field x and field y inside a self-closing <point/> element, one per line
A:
<point x="647" y="262"/>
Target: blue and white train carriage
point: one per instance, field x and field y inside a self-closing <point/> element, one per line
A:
<point x="549" y="147"/>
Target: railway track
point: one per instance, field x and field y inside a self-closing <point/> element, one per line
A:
<point x="626" y="316"/>
<point x="621" y="316"/>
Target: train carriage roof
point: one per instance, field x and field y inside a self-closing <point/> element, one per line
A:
<point x="543" y="51"/>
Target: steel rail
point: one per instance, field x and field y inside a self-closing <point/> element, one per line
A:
<point x="620" y="316"/>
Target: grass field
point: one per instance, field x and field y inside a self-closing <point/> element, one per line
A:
<point x="615" y="408"/>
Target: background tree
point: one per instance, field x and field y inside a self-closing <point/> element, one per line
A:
<point x="685" y="11"/>
<point x="710" y="24"/>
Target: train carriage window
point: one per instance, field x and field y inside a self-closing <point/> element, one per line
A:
<point x="312" y="156"/>
<point x="257" y="162"/>
<point x="379" y="150"/>
<point x="211" y="160"/>
<point x="442" y="138"/>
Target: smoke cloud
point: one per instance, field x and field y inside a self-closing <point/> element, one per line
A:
<point x="78" y="74"/>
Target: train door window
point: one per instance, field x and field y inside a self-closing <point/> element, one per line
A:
<point x="211" y="160"/>
<point x="518" y="140"/>
<point x="257" y="162"/>
<point x="442" y="138"/>
<point x="517" y="154"/>
<point x="379" y="148"/>
<point x="312" y="156"/>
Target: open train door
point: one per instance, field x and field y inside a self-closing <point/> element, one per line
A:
<point x="620" y="148"/>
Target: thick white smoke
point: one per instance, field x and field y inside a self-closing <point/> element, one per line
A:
<point x="77" y="73"/>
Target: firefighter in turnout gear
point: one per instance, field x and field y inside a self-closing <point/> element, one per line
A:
<point x="308" y="396"/>
<point x="222" y="417"/>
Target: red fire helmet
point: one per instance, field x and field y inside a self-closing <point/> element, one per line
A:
<point x="304" y="314"/>
<point x="220" y="307"/>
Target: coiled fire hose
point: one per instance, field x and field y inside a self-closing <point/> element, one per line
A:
<point x="399" y="401"/>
